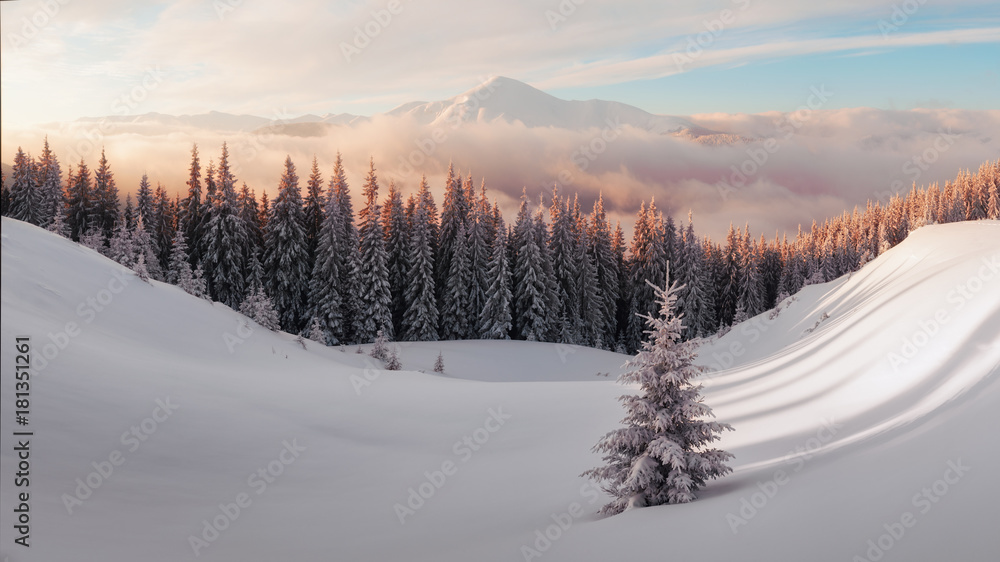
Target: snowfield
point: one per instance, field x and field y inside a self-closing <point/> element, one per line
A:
<point x="165" y="428"/>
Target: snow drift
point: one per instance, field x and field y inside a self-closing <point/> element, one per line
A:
<point x="167" y="428"/>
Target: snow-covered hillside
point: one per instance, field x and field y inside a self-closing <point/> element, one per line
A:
<point x="167" y="429"/>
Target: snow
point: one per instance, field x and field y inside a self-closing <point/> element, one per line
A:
<point x="880" y="438"/>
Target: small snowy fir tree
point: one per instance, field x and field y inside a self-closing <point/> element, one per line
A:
<point x="258" y="307"/>
<point x="380" y="349"/>
<point x="93" y="238"/>
<point x="660" y="456"/>
<point x="392" y="362"/>
<point x="316" y="332"/>
<point x="439" y="363"/>
<point x="140" y="268"/>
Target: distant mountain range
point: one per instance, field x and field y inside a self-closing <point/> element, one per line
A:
<point x="499" y="99"/>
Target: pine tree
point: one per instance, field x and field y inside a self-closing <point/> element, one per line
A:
<point x="478" y="249"/>
<point x="530" y="289"/>
<point x="190" y="213"/>
<point x="250" y="214"/>
<point x="50" y="186"/>
<point x="454" y="213"/>
<point x="106" y="197"/>
<point x="648" y="264"/>
<point x="313" y="212"/>
<point x="259" y="308"/>
<point x="439" y="363"/>
<point x="4" y="195"/>
<point x="380" y="347"/>
<point x="349" y="247"/>
<point x="180" y="272"/>
<point x="372" y="274"/>
<point x="455" y="321"/>
<point x="121" y="247"/>
<point x="286" y="253"/>
<point x="661" y="455"/>
<point x="145" y="249"/>
<point x="224" y="240"/>
<point x="591" y="318"/>
<point x="144" y="201"/>
<point x="495" y="319"/>
<point x="397" y="251"/>
<point x="326" y="288"/>
<point x="562" y="245"/>
<point x="164" y="225"/>
<point x="25" y="198"/>
<point x="606" y="267"/>
<point x="316" y="331"/>
<point x="79" y="204"/>
<point x="420" y="322"/>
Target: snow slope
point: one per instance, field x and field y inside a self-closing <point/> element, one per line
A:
<point x="877" y="439"/>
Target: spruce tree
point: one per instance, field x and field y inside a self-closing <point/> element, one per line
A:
<point x="190" y="222"/>
<point x="455" y="321"/>
<point x="79" y="204"/>
<point x="25" y="198"/>
<point x="661" y="456"/>
<point x="180" y="272"/>
<point x="397" y="250"/>
<point x="530" y="288"/>
<point x="606" y="268"/>
<point x="372" y="274"/>
<point x="286" y="253"/>
<point x="224" y="239"/>
<point x="313" y="212"/>
<point x="106" y="196"/>
<point x="259" y="308"/>
<point x="349" y="243"/>
<point x="420" y="321"/>
<point x="565" y="267"/>
<point x="50" y="186"/>
<point x="326" y="289"/>
<point x="495" y="319"/>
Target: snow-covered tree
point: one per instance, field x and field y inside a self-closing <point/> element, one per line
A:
<point x="145" y="247"/>
<point x="495" y="319"/>
<point x="661" y="455"/>
<point x="455" y="321"/>
<point x="259" y="308"/>
<point x="180" y="272"/>
<point x="439" y="363"/>
<point x="225" y="238"/>
<point x="397" y="251"/>
<point x="531" y="301"/>
<point x="286" y="254"/>
<point x="380" y="347"/>
<point x="372" y="274"/>
<point x="190" y="220"/>
<point x="313" y="212"/>
<point x="606" y="267"/>
<point x="326" y="286"/>
<point x="420" y="321"/>
<point x="49" y="185"/>
<point x="25" y="197"/>
<point x="106" y="197"/>
<point x="316" y="331"/>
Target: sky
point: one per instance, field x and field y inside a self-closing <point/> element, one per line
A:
<point x="720" y="62"/>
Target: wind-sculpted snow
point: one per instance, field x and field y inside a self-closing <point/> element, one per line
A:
<point x="170" y="428"/>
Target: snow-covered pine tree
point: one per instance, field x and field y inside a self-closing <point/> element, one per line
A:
<point x="286" y="253"/>
<point x="145" y="247"/>
<point x="530" y="289"/>
<point x="380" y="347"/>
<point x="106" y="196"/>
<point x="349" y="244"/>
<point x="50" y="186"/>
<point x="259" y="308"/>
<point x="25" y="198"/>
<point x="144" y="201"/>
<point x="121" y="247"/>
<point x="495" y="319"/>
<point x="316" y="331"/>
<point x="250" y="213"/>
<point x="606" y="267"/>
<point x="562" y="245"/>
<point x="326" y="289"/>
<point x="479" y="258"/>
<point x="225" y="238"/>
<point x="454" y="213"/>
<point x="420" y="322"/>
<point x="313" y="212"/>
<point x="397" y="251"/>
<point x="661" y="455"/>
<point x="750" y="295"/>
<point x="372" y="274"/>
<point x="439" y="363"/>
<point x="553" y="307"/>
<point x="79" y="201"/>
<point x="180" y="272"/>
<point x="455" y="321"/>
<point x="591" y="319"/>
<point x="190" y="220"/>
<point x="392" y="360"/>
<point x="140" y="268"/>
<point x="648" y="264"/>
<point x="164" y="220"/>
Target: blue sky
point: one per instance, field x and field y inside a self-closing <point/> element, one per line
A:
<point x="258" y="57"/>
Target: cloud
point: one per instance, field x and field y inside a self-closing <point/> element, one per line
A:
<point x="832" y="161"/>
